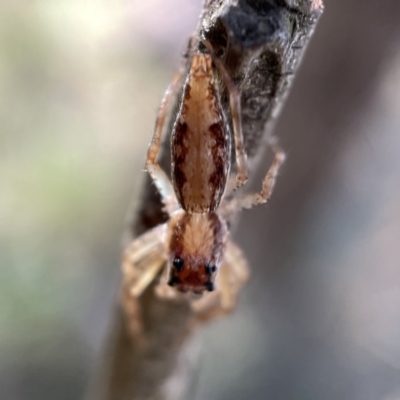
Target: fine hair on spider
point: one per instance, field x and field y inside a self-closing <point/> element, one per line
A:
<point x="193" y="246"/>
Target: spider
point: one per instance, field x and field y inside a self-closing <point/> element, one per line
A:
<point x="193" y="248"/>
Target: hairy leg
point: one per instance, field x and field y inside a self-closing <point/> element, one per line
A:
<point x="236" y="115"/>
<point x="232" y="276"/>
<point x="143" y="259"/>
<point x="160" y="178"/>
<point x="229" y="208"/>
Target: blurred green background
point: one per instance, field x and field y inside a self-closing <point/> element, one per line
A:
<point x="80" y="84"/>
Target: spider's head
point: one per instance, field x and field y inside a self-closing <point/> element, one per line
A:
<point x="196" y="245"/>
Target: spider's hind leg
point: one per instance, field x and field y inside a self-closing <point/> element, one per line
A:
<point x="268" y="184"/>
<point x="236" y="115"/>
<point x="231" y="206"/>
<point x="158" y="175"/>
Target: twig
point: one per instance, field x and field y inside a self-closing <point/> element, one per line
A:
<point x="262" y="43"/>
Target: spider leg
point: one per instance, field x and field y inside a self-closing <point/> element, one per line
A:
<point x="159" y="177"/>
<point x="236" y="115"/>
<point x="233" y="274"/>
<point x="142" y="260"/>
<point x="232" y="206"/>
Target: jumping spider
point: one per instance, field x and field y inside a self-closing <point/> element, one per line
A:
<point x="194" y="247"/>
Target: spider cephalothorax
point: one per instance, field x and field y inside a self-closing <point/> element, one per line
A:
<point x="196" y="244"/>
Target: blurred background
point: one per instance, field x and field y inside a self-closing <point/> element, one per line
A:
<point x="80" y="84"/>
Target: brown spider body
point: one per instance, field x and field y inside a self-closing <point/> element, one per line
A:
<point x="200" y="149"/>
<point x="193" y="248"/>
<point x="200" y="142"/>
<point x="196" y="244"/>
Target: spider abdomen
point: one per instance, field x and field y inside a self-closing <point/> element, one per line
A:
<point x="200" y="142"/>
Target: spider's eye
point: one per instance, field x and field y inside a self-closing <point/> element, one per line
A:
<point x="178" y="263"/>
<point x="210" y="269"/>
<point x="210" y="286"/>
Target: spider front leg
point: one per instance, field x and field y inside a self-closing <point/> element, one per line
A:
<point x="159" y="177"/>
<point x="143" y="259"/>
<point x="233" y="274"/>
